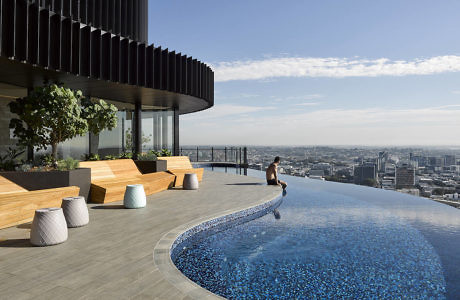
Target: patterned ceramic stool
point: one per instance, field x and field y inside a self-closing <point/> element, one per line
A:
<point x="48" y="227"/>
<point x="190" y="182"/>
<point x="134" y="196"/>
<point x="75" y="211"/>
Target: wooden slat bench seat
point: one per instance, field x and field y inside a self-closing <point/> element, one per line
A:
<point x="110" y="177"/>
<point x="179" y="166"/>
<point x="17" y="205"/>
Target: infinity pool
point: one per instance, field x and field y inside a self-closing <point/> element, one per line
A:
<point x="330" y="240"/>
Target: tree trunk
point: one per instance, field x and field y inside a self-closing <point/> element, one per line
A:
<point x="54" y="148"/>
<point x="93" y="143"/>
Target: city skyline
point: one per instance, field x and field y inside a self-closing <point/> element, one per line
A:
<point x="324" y="73"/>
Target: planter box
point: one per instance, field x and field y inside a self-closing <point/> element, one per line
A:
<point x="52" y="179"/>
<point x="151" y="166"/>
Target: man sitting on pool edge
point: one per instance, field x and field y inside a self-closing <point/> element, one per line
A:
<point x="272" y="174"/>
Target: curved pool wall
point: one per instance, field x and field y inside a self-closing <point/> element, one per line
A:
<point x="332" y="240"/>
<point x="197" y="233"/>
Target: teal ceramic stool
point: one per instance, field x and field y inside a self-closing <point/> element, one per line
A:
<point x="134" y="196"/>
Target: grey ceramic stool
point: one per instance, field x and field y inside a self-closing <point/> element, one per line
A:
<point x="75" y="211"/>
<point x="190" y="182"/>
<point x="134" y="196"/>
<point x="48" y="227"/>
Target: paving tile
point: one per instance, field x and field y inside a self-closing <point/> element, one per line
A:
<point x="112" y="257"/>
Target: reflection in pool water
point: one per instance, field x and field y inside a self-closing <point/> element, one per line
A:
<point x="333" y="240"/>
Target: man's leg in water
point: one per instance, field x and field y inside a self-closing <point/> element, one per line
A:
<point x="283" y="184"/>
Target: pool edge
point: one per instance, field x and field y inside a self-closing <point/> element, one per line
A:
<point x="164" y="247"/>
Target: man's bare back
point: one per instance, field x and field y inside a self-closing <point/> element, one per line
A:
<point x="272" y="174"/>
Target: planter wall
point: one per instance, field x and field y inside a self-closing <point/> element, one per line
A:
<point x="52" y="179"/>
<point x="151" y="166"/>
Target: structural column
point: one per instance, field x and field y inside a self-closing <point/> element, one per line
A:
<point x="137" y="130"/>
<point x="30" y="148"/>
<point x="164" y="129"/>
<point x="176" y="133"/>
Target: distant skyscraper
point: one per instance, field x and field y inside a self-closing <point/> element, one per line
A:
<point x="435" y="161"/>
<point x="421" y="160"/>
<point x="383" y="157"/>
<point x="367" y="171"/>
<point x="405" y="177"/>
<point x="449" y="160"/>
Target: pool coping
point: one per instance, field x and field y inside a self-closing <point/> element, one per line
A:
<point x="167" y="243"/>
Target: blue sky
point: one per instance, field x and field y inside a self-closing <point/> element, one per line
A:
<point x="320" y="72"/>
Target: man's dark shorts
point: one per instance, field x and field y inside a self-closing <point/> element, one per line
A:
<point x="272" y="182"/>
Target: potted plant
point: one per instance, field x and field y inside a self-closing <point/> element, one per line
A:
<point x="148" y="163"/>
<point x="50" y="115"/>
<point x="45" y="176"/>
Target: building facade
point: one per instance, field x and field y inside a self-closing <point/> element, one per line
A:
<point x="100" y="47"/>
<point x="405" y="177"/>
<point x="364" y="173"/>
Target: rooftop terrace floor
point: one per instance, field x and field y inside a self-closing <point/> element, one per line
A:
<point x="112" y="257"/>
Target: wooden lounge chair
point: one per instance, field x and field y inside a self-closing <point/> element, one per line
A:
<point x="110" y="177"/>
<point x="179" y="166"/>
<point x="18" y="205"/>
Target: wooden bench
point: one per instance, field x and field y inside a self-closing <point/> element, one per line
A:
<point x="18" y="205"/>
<point x="179" y="166"/>
<point x="110" y="177"/>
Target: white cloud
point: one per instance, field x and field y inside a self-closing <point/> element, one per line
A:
<point x="333" y="67"/>
<point x="225" y="110"/>
<point x="301" y="97"/>
<point x="372" y="126"/>
<point x="307" y="104"/>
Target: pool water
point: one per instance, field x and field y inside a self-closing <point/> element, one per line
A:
<point x="330" y="240"/>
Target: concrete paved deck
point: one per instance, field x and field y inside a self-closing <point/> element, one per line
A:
<point x="112" y="257"/>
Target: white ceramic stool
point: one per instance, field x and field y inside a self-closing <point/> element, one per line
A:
<point x="75" y="211"/>
<point x="190" y="182"/>
<point x="134" y="196"/>
<point x="48" y="227"/>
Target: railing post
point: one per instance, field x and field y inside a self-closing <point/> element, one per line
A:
<point x="196" y="153"/>
<point x="212" y="154"/>
<point x="225" y="154"/>
<point x="245" y="155"/>
<point x="240" y="155"/>
<point x="180" y="151"/>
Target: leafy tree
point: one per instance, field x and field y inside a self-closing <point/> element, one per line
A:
<point x="370" y="182"/>
<point x="99" y="114"/>
<point x="129" y="139"/>
<point x="49" y="115"/>
<point x="8" y="161"/>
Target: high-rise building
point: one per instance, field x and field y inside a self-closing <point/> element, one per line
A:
<point x="364" y="172"/>
<point x="421" y="160"/>
<point x="405" y="177"/>
<point x="435" y="161"/>
<point x="449" y="160"/>
<point x="383" y="157"/>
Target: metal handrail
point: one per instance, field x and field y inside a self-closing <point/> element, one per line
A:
<point x="237" y="155"/>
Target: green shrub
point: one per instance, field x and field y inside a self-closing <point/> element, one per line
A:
<point x="147" y="156"/>
<point x="110" y="157"/>
<point x="162" y="152"/>
<point x="24" y="168"/>
<point x="68" y="164"/>
<point x="92" y="157"/>
<point x="126" y="155"/>
<point x="165" y="152"/>
<point x="46" y="160"/>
